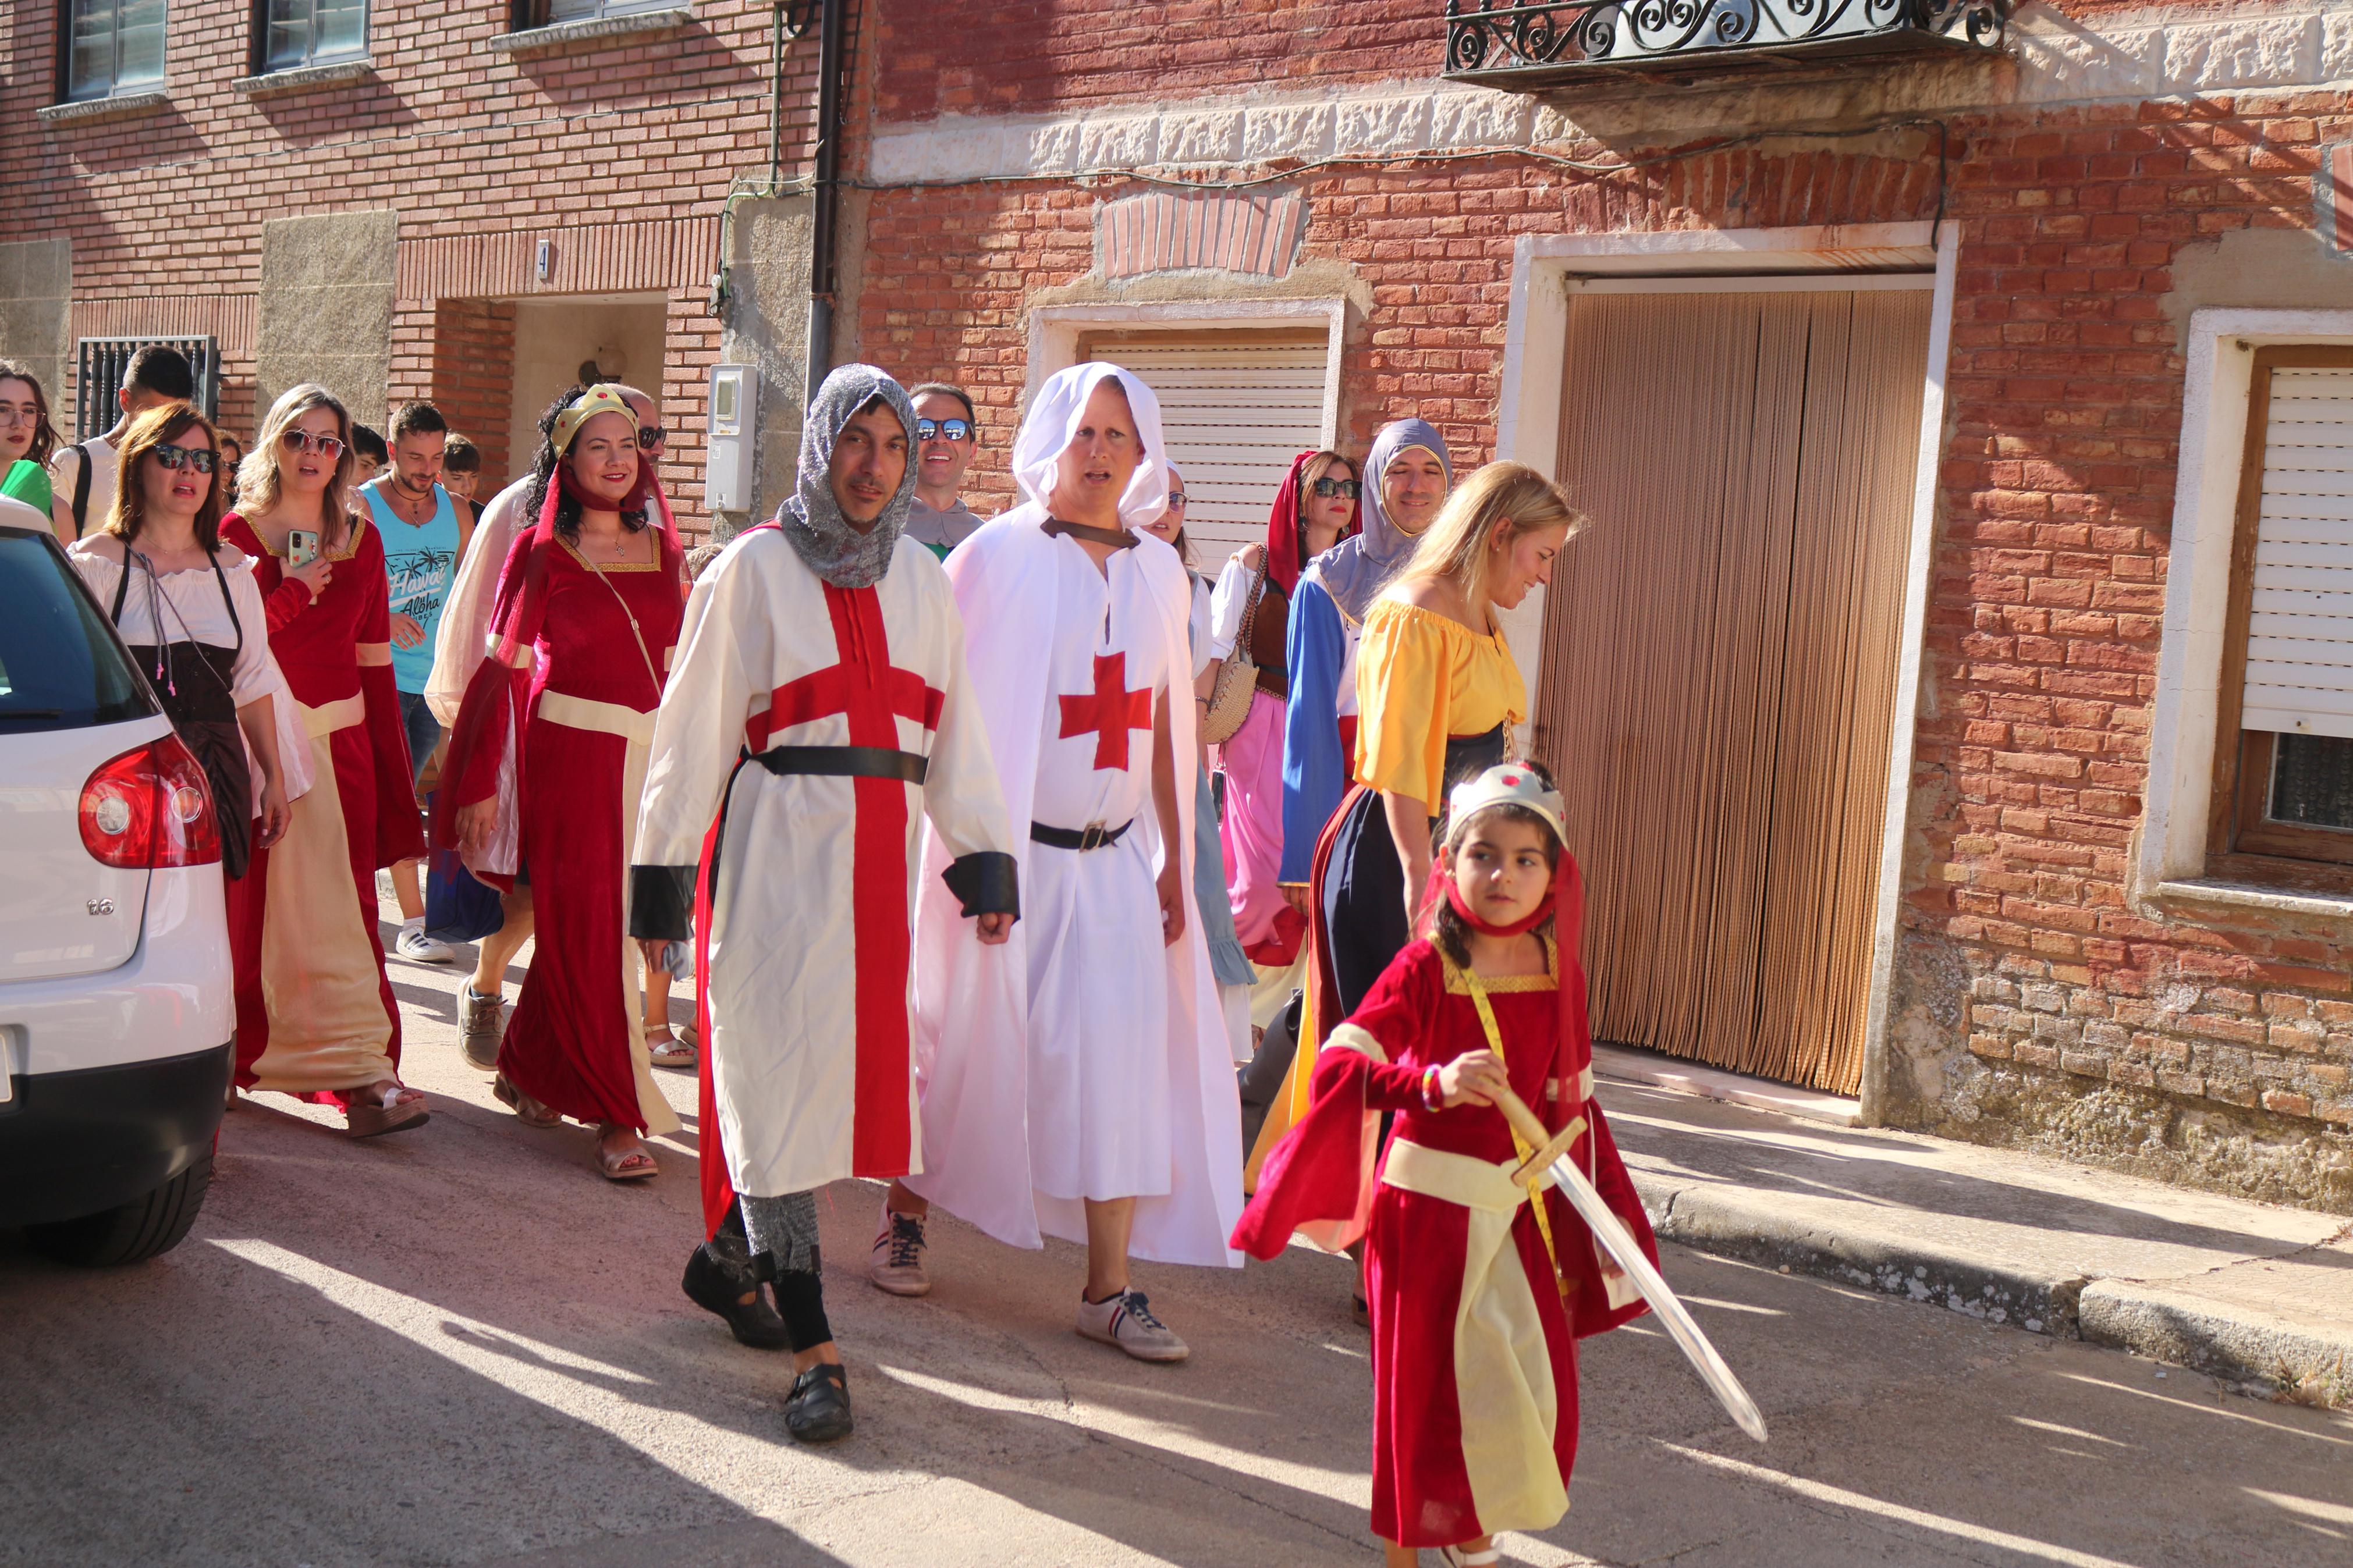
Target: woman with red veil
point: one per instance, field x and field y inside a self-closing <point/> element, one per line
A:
<point x="547" y="761"/>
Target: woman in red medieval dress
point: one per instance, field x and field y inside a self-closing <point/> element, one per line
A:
<point x="547" y="763"/>
<point x="315" y="1014"/>
<point x="1478" y="1295"/>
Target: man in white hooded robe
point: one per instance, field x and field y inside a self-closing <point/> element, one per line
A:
<point x="1078" y="1081"/>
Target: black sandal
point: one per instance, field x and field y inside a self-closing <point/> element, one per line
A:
<point x="718" y="1277"/>
<point x="818" y="1409"/>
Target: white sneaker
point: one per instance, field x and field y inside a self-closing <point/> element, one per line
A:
<point x="1127" y="1321"/>
<point x="418" y="948"/>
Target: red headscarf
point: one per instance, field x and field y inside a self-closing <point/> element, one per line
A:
<point x="1283" y="537"/>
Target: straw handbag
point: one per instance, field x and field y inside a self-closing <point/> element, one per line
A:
<point x="1236" y="682"/>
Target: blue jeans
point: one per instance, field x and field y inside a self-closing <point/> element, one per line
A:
<point x="424" y="732"/>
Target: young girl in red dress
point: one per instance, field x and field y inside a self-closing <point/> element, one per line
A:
<point x="1478" y="1295"/>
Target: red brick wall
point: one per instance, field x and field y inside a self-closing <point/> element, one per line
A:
<point x="1032" y="56"/>
<point x="474" y="379"/>
<point x="458" y="140"/>
<point x="2056" y="500"/>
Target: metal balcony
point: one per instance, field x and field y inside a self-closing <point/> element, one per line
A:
<point x="1525" y="45"/>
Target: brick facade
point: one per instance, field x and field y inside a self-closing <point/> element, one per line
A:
<point x="641" y="132"/>
<point x="2100" y="191"/>
<point x="2041" y="1004"/>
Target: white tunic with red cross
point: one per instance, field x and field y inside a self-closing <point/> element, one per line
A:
<point x="807" y="936"/>
<point x="1099" y="1123"/>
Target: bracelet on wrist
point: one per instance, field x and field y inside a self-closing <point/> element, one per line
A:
<point x="1431" y="1100"/>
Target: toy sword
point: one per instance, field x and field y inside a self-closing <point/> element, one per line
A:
<point x="1552" y="1158"/>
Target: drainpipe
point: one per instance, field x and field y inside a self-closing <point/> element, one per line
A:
<point x="827" y="194"/>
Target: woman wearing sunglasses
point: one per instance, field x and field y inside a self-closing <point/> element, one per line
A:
<point x="315" y="1014"/>
<point x="1316" y="509"/>
<point x="188" y="608"/>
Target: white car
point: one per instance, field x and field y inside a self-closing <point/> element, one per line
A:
<point x="116" y="1011"/>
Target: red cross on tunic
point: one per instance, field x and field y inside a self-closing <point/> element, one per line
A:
<point x="872" y="695"/>
<point x="1108" y="713"/>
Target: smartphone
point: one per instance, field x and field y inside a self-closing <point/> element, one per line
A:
<point x="301" y="546"/>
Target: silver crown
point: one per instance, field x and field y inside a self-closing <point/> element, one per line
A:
<point x="1509" y="783"/>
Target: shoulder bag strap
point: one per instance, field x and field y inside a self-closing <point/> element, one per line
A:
<point x="81" y="491"/>
<point x="227" y="602"/>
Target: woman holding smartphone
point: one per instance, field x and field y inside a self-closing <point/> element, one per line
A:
<point x="315" y="1016"/>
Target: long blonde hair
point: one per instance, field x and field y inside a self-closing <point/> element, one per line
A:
<point x="257" y="487"/>
<point x="1508" y="496"/>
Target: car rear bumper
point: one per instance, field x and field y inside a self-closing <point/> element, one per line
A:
<point x="75" y="1143"/>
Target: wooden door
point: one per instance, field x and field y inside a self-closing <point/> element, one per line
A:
<point x="1720" y="660"/>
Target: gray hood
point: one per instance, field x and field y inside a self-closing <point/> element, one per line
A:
<point x="812" y="518"/>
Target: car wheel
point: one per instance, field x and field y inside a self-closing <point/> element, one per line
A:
<point x="133" y="1233"/>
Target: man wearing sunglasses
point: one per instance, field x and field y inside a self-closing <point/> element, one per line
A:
<point x="945" y="436"/>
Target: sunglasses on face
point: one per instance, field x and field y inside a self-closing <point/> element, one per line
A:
<point x="1177" y="499"/>
<point x="327" y="447"/>
<point x="1344" y="488"/>
<point x="943" y="429"/>
<point x="649" y="437"/>
<point x="202" y="457"/>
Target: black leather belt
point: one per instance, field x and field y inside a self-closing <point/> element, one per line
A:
<point x="845" y="761"/>
<point x="1094" y="836"/>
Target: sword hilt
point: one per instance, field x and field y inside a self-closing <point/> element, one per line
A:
<point x="1525" y="1122"/>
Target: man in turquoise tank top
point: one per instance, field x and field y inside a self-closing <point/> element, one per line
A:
<point x="424" y="539"/>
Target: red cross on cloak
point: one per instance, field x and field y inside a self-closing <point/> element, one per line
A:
<point x="872" y="695"/>
<point x="1108" y="713"/>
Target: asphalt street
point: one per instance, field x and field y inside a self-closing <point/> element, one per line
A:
<point x="458" y="1345"/>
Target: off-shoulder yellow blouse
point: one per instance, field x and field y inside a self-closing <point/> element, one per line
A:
<point x="1420" y="678"/>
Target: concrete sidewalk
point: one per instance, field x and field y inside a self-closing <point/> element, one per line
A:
<point x="2255" y="1294"/>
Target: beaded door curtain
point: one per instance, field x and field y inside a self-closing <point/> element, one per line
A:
<point x="1720" y="660"/>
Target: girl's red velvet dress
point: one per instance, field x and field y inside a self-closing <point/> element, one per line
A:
<point x="584" y="707"/>
<point x="315" y="1013"/>
<point x="1474" y="1327"/>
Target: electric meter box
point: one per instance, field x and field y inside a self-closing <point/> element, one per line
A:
<point x="731" y="470"/>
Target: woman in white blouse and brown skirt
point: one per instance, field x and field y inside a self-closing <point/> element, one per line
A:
<point x="187" y="607"/>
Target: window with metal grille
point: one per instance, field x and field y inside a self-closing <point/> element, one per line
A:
<point x="296" y="33"/>
<point x="1236" y="407"/>
<point x="2284" y="761"/>
<point x="110" y="46"/>
<point x="100" y="364"/>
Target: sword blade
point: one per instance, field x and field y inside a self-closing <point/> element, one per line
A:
<point x="1612" y="1235"/>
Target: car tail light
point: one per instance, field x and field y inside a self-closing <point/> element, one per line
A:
<point x="150" y="808"/>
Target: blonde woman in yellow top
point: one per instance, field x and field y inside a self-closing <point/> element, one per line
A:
<point x="1436" y="689"/>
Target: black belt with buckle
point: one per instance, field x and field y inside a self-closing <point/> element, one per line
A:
<point x="1094" y="836"/>
<point x="844" y="762"/>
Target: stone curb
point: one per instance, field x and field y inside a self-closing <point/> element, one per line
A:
<point x="2140" y="1318"/>
<point x="1738" y="1223"/>
<point x="2241" y="1347"/>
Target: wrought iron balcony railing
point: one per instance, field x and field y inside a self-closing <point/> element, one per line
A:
<point x="1543" y="43"/>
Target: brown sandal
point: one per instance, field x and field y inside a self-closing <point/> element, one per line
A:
<point x="528" y="1112"/>
<point x="623" y="1165"/>
<point x="377" y="1109"/>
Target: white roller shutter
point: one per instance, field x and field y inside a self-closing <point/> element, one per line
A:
<point x="2300" y="625"/>
<point x="1234" y="413"/>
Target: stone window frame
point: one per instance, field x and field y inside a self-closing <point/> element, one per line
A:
<point x="1527" y="430"/>
<point x="2178" y="866"/>
<point x="118" y="92"/>
<point x="1055" y="332"/>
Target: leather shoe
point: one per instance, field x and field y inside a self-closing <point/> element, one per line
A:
<point x="818" y="1409"/>
<point x="717" y="1283"/>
